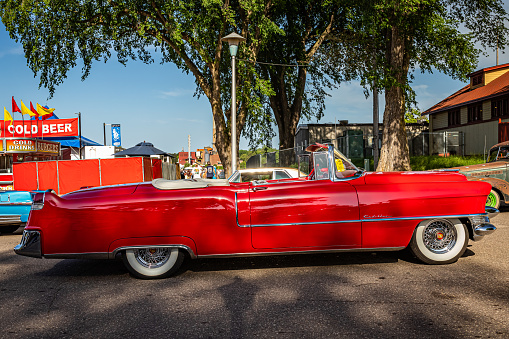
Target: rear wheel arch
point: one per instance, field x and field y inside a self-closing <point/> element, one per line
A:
<point x="183" y="248"/>
<point x="185" y="243"/>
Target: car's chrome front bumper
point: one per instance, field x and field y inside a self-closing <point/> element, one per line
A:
<point x="481" y="225"/>
<point x="30" y="244"/>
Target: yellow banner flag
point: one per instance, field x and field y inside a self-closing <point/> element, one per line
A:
<point x="25" y="110"/>
<point x="43" y="110"/>
<point x="7" y="116"/>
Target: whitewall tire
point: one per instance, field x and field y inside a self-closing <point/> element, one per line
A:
<point x="439" y="241"/>
<point x="153" y="262"/>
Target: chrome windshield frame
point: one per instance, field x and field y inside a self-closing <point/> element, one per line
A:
<point x="332" y="164"/>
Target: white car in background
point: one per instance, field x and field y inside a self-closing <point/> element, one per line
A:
<point x="265" y="173"/>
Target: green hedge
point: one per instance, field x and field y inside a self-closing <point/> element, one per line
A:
<point x="424" y="163"/>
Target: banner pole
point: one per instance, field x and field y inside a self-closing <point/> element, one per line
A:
<point x="79" y="128"/>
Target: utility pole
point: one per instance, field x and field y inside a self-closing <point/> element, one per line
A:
<point x="189" y="149"/>
<point x="375" y="127"/>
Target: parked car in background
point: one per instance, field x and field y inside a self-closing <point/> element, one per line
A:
<point x="156" y="225"/>
<point x="195" y="171"/>
<point x="14" y="209"/>
<point x="264" y="173"/>
<point x="495" y="172"/>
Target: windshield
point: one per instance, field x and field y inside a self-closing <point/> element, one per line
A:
<point x="342" y="167"/>
<point x="498" y="153"/>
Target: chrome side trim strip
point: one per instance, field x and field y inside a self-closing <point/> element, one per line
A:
<point x="274" y="182"/>
<point x="259" y="254"/>
<point x="24" y="203"/>
<point x="366" y="220"/>
<point x="308" y="223"/>
<point x="237" y="213"/>
<point x="424" y="217"/>
<point x="113" y="254"/>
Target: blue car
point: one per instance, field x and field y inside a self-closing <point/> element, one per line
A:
<point x="14" y="209"/>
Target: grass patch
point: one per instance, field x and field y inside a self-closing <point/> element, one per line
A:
<point x="424" y="163"/>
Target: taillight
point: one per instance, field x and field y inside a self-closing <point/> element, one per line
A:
<point x="38" y="201"/>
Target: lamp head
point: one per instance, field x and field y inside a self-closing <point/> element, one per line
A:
<point x="233" y="40"/>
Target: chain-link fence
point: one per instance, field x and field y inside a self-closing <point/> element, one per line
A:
<point x="282" y="158"/>
<point x="357" y="146"/>
<point x="425" y="143"/>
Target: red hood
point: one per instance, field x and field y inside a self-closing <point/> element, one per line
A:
<point x="374" y="178"/>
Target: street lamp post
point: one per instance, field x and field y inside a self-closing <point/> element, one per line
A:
<point x="234" y="40"/>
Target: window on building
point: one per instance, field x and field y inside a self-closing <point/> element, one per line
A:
<point x="475" y="113"/>
<point x="454" y="118"/>
<point x="499" y="108"/>
<point x="476" y="80"/>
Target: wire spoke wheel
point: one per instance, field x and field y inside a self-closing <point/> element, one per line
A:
<point x="439" y="241"/>
<point x="439" y="236"/>
<point x="153" y="262"/>
<point x="152" y="257"/>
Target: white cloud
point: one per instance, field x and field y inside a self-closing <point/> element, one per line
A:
<point x="12" y="51"/>
<point x="193" y="121"/>
<point x="177" y="93"/>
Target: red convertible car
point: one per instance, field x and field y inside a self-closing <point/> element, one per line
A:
<point x="337" y="207"/>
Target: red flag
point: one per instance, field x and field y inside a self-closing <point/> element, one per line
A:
<point x="34" y="111"/>
<point x="44" y="117"/>
<point x="15" y="107"/>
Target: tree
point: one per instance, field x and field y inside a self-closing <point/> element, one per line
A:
<point x="299" y="77"/>
<point x="57" y="34"/>
<point x="415" y="116"/>
<point x="390" y="39"/>
<point x="426" y="34"/>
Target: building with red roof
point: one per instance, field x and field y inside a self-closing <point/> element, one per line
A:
<point x="479" y="110"/>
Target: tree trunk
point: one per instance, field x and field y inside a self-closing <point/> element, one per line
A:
<point x="287" y="115"/>
<point x="394" y="155"/>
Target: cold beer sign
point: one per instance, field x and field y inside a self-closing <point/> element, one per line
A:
<point x="39" y="128"/>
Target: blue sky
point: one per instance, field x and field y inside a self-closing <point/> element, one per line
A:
<point x="155" y="102"/>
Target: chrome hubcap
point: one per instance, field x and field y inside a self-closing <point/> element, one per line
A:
<point x="153" y="257"/>
<point x="439" y="236"/>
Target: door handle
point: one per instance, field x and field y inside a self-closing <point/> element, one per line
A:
<point x="257" y="188"/>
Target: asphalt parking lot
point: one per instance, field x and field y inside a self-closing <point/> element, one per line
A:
<point x="347" y="295"/>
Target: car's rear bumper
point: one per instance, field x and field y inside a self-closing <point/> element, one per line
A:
<point x="10" y="219"/>
<point x="30" y="244"/>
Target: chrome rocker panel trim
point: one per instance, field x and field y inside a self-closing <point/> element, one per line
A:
<point x="111" y="255"/>
<point x="260" y="254"/>
<point x="30" y="246"/>
<point x="93" y="256"/>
